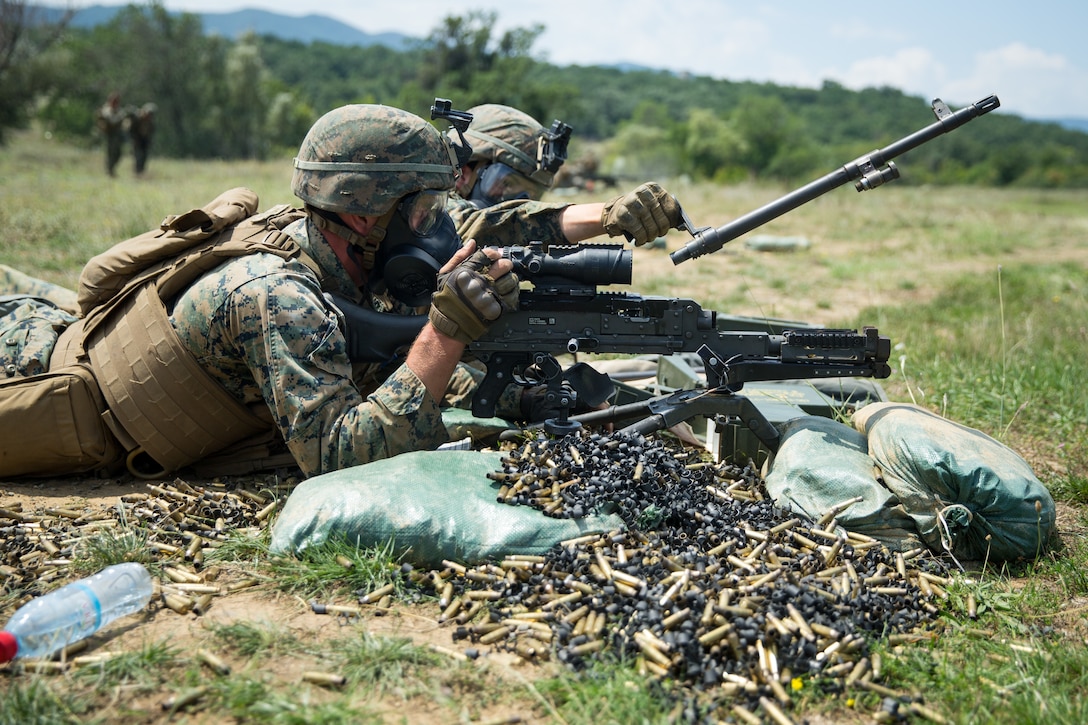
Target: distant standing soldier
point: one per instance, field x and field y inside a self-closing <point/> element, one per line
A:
<point x="141" y="127"/>
<point x="111" y="121"/>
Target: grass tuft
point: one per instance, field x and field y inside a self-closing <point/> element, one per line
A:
<point x="385" y="664"/>
<point x="33" y="701"/>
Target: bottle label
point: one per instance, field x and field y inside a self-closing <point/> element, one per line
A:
<point x="90" y="610"/>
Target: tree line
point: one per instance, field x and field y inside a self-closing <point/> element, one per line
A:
<point x="255" y="97"/>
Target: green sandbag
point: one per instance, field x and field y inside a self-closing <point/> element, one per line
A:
<point x="433" y="505"/>
<point x="821" y="463"/>
<point x="960" y="485"/>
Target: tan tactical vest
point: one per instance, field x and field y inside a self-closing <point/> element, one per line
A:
<point x="164" y="409"/>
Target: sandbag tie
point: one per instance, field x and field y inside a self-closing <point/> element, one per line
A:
<point x="945" y="531"/>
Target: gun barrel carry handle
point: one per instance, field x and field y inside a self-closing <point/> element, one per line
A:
<point x="684" y="225"/>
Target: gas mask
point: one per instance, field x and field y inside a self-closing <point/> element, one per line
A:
<point x="420" y="239"/>
<point x="499" y="182"/>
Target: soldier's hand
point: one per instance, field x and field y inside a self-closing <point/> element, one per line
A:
<point x="643" y="214"/>
<point x="472" y="295"/>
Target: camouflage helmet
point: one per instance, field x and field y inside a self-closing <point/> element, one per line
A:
<point x="505" y="135"/>
<point x="360" y="159"/>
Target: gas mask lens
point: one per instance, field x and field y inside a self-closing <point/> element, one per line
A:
<point x="422" y="211"/>
<point x="498" y="183"/>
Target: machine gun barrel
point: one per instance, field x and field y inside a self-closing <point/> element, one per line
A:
<point x="869" y="171"/>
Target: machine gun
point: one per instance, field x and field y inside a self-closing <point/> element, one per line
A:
<point x="564" y="312"/>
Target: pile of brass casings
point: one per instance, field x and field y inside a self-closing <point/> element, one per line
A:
<point x="709" y="584"/>
<point x="175" y="524"/>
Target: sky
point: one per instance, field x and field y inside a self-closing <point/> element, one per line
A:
<point x="1031" y="54"/>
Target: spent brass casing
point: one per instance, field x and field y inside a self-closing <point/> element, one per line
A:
<point x="774" y="712"/>
<point x="325" y="679"/>
<point x="213" y="661"/>
<point x="202" y="604"/>
<point x="496" y="635"/>
<point x="377" y="594"/>
<point x="184" y="699"/>
<point x="177" y="602"/>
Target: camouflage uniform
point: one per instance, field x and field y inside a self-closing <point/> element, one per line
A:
<point x="504" y="135"/>
<point x="14" y="282"/>
<point x="110" y="119"/>
<point x="32" y="313"/>
<point x="28" y="333"/>
<point x="508" y="223"/>
<point x="262" y="328"/>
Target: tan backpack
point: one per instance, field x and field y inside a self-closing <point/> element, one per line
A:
<point x="131" y="393"/>
<point x="50" y="418"/>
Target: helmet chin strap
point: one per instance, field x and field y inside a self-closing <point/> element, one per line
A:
<point x="368" y="245"/>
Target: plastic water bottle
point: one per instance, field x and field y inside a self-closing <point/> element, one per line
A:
<point x="75" y="611"/>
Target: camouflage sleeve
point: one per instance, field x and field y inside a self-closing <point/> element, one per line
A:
<point x="276" y="331"/>
<point x="29" y="328"/>
<point x="510" y="223"/>
<point x="14" y="282"/>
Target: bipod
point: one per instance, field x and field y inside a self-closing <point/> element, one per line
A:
<point x="665" y="411"/>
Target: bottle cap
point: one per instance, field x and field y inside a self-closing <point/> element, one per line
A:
<point x="9" y="646"/>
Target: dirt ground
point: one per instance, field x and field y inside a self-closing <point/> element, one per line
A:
<point x="267" y="608"/>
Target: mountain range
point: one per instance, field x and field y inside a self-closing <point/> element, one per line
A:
<point x="305" y="29"/>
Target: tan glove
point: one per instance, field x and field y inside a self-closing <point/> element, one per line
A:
<point x="468" y="299"/>
<point x="642" y="215"/>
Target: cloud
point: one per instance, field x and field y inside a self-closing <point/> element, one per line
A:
<point x="1028" y="81"/>
<point x="911" y="69"/>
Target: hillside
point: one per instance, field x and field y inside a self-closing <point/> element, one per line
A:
<point x="314" y="27"/>
<point x="304" y="29"/>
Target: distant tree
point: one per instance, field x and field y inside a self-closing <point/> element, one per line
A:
<point x="713" y="149"/>
<point x="766" y="126"/>
<point x="288" y="120"/>
<point x="643" y="152"/>
<point x="25" y="33"/>
<point x="245" y="111"/>
<point x="467" y="60"/>
<point x="165" y="58"/>
<point x="148" y="55"/>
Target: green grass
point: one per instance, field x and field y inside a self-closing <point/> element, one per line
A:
<point x="35" y="701"/>
<point x="250" y="640"/>
<point x="606" y="694"/>
<point x="139" y="672"/>
<point x="983" y="292"/>
<point x="250" y="700"/>
<point x="384" y="664"/>
<point x="320" y="571"/>
<point x="110" y="546"/>
<point x="333" y="568"/>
